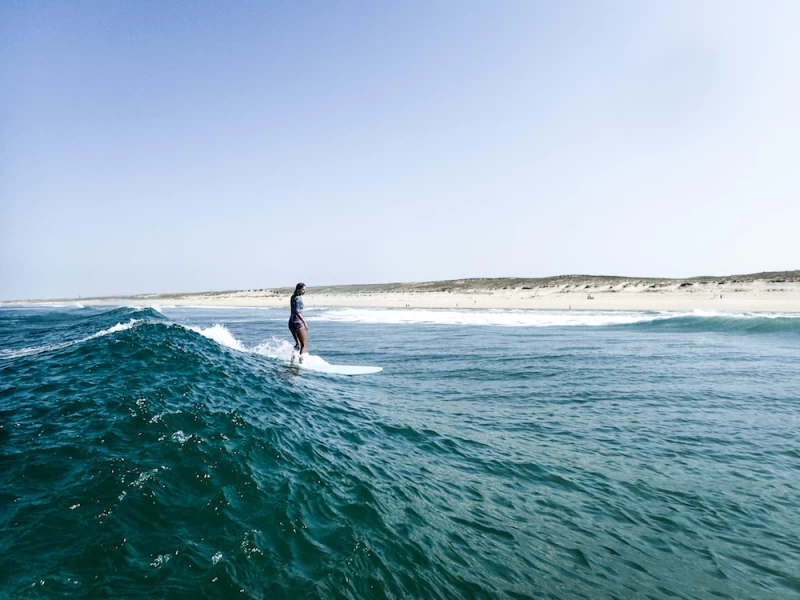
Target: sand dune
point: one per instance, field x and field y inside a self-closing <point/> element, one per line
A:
<point x="761" y="292"/>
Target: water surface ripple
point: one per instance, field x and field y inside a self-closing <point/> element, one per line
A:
<point x="175" y="453"/>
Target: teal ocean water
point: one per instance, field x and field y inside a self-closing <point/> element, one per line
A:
<point x="175" y="453"/>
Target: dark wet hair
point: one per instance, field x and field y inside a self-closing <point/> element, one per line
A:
<point x="297" y="290"/>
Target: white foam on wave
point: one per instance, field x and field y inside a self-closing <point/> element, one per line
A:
<point x="497" y="317"/>
<point x="141" y="307"/>
<point x="283" y="350"/>
<point x="115" y="329"/>
<point x="276" y="348"/>
<point x="9" y="354"/>
<point x="737" y="315"/>
<point x="221" y="335"/>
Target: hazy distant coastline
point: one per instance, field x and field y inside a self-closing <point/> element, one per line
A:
<point x="759" y="292"/>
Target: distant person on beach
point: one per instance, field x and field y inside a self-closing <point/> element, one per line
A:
<point x="297" y="324"/>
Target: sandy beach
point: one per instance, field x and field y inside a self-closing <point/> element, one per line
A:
<point x="762" y="292"/>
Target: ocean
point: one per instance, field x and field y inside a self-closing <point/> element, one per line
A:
<point x="175" y="453"/>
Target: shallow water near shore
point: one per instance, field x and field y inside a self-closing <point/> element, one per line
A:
<point x="174" y="452"/>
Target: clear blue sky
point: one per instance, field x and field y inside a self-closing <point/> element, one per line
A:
<point x="151" y="146"/>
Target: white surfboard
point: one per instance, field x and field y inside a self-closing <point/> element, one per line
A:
<point x="343" y="369"/>
<point x="315" y="363"/>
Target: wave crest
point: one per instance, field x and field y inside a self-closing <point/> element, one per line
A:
<point x="17" y="353"/>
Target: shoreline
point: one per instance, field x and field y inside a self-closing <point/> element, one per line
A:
<point x="764" y="292"/>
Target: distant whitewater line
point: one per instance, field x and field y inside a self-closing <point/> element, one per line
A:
<point x="281" y="349"/>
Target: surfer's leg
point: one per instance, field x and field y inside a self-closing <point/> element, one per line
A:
<point x="296" y="342"/>
<point x="294" y="335"/>
<point x="300" y="334"/>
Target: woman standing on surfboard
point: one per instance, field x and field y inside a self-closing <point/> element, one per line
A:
<point x="297" y="324"/>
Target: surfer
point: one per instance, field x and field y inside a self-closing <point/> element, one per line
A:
<point x="297" y="324"/>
